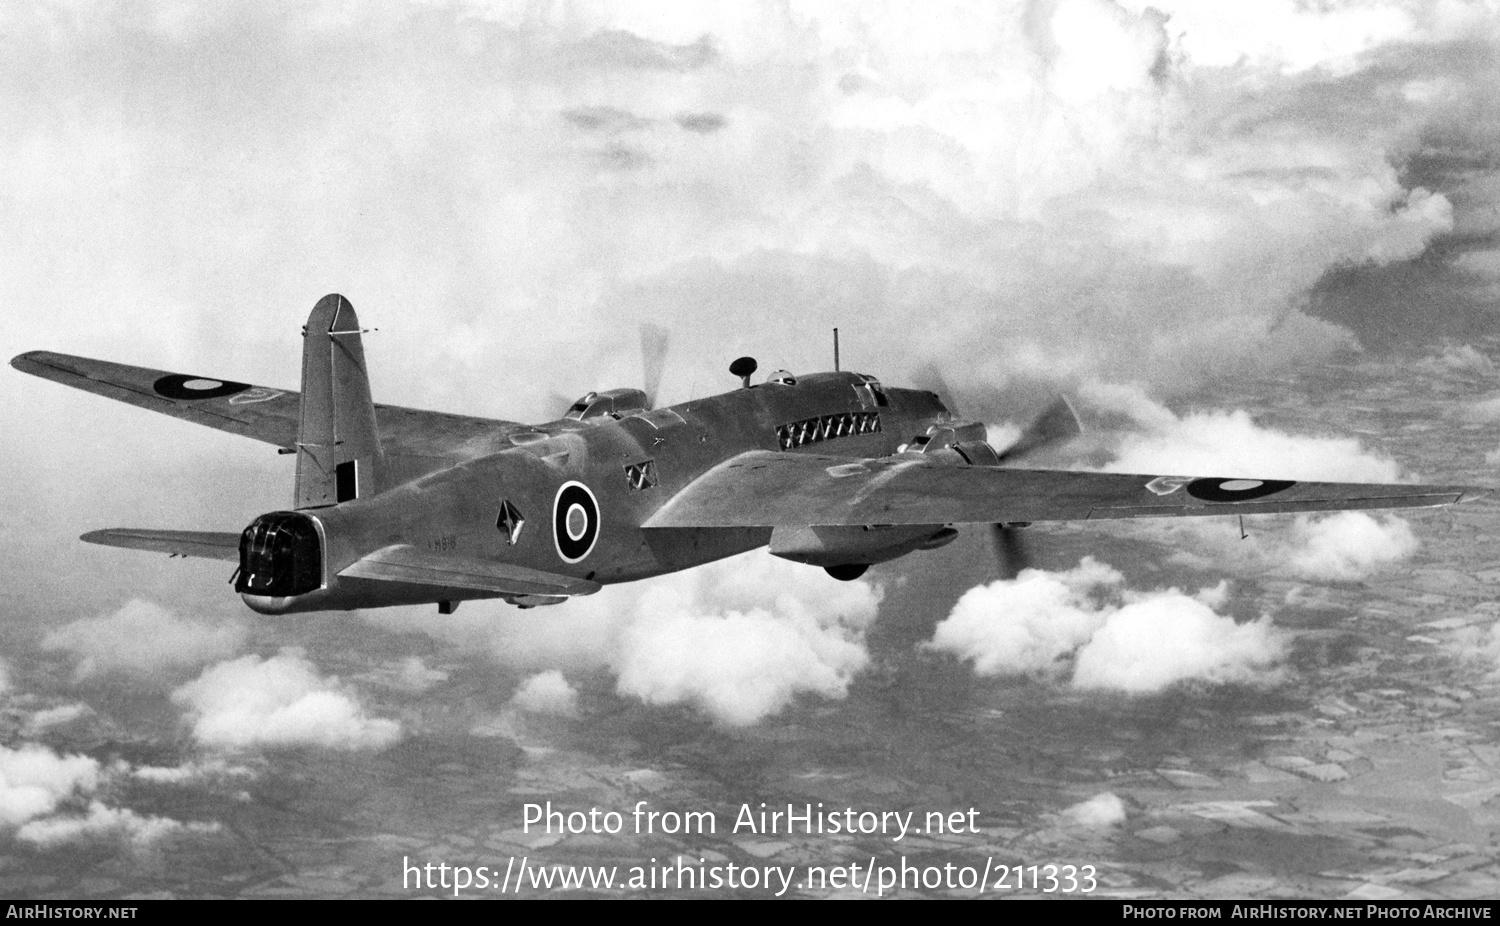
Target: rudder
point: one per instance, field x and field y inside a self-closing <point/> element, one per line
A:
<point x="338" y="447"/>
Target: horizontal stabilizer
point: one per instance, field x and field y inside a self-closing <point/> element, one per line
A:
<point x="207" y="544"/>
<point x="403" y="563"/>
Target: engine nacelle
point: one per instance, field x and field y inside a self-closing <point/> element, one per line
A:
<point x="614" y="403"/>
<point x="955" y="443"/>
<point x="841" y="546"/>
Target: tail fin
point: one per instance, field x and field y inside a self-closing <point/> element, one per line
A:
<point x="338" y="447"/>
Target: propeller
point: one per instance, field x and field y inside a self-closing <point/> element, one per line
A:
<point x="654" y="343"/>
<point x="1056" y="424"/>
<point x="655" y="340"/>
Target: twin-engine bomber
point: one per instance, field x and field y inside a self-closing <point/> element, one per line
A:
<point x="397" y="506"/>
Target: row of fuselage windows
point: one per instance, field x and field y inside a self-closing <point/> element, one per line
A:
<point x="826" y="427"/>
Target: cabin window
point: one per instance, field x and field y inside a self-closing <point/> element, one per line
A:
<point x="640" y="476"/>
<point x="826" y="427"/>
<point x="509" y="522"/>
<point x="877" y="390"/>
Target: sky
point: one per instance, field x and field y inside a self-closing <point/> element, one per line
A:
<point x="1130" y="203"/>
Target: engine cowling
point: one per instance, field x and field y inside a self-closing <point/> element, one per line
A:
<point x="955" y="443"/>
<point x="613" y="403"/>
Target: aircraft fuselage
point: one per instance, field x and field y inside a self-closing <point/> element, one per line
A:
<point x="570" y="496"/>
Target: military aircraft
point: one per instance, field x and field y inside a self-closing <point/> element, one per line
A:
<point x="397" y="506"/>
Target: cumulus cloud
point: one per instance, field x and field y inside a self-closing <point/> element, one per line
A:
<point x="34" y="780"/>
<point x="43" y="795"/>
<point x="547" y="693"/>
<point x="742" y="638"/>
<point x="1341" y="546"/>
<point x="142" y="639"/>
<point x="101" y="822"/>
<point x="1152" y="643"/>
<point x="1485" y="411"/>
<point x="278" y="702"/>
<point x="1013" y="173"/>
<point x="738" y="639"/>
<point x="1085" y="626"/>
<point x="1227" y="443"/>
<point x="56" y="716"/>
<point x="1098" y="812"/>
<point x="214" y="768"/>
<point x="1347" y="545"/>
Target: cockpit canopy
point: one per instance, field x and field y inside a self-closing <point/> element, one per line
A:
<point x="615" y="403"/>
<point x="781" y="378"/>
<point x="872" y="392"/>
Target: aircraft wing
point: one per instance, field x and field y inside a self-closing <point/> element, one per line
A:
<point x="773" y="489"/>
<point x="208" y="544"/>
<point x="404" y="563"/>
<point x="258" y="412"/>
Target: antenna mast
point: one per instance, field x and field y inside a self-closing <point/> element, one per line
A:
<point x="835" y="350"/>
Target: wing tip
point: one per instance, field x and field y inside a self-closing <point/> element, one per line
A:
<point x="23" y="361"/>
<point x="1473" y="494"/>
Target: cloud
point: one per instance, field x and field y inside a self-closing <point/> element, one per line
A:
<point x="213" y="769"/>
<point x="1153" y="643"/>
<point x="1341" y="546"/>
<point x="1029" y="625"/>
<point x="1012" y="173"/>
<point x="102" y="822"/>
<point x="38" y="787"/>
<point x="1479" y="644"/>
<point x="1460" y="359"/>
<point x="1486" y="411"/>
<point x="742" y="638"/>
<point x="1083" y="625"/>
<point x="738" y="639"/>
<point x="143" y="639"/>
<point x="1227" y="443"/>
<point x="56" y="716"/>
<point x="1344" y="546"/>
<point x="1347" y="545"/>
<point x="278" y="702"/>
<point x="1098" y="812"/>
<point x="547" y="693"/>
<point x="34" y="780"/>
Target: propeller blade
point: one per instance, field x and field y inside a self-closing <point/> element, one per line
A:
<point x="654" y="342"/>
<point x="558" y="404"/>
<point x="1012" y="552"/>
<point x="1056" y="424"/>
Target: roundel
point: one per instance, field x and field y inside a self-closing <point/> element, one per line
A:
<point x="178" y="386"/>
<point x="575" y="521"/>
<point x="1235" y="490"/>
